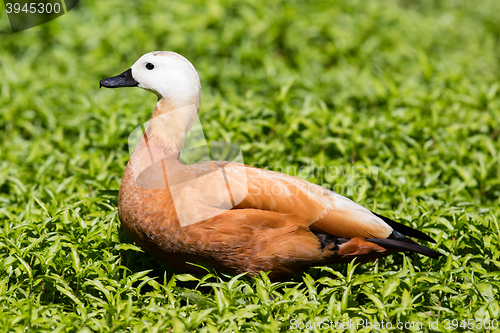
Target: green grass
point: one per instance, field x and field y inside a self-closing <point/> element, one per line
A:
<point x="405" y="94"/>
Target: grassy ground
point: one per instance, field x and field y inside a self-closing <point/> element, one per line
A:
<point x="400" y="101"/>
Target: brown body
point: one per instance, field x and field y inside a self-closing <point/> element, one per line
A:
<point x="274" y="228"/>
<point x="261" y="234"/>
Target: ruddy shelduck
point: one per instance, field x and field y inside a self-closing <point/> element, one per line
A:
<point x="227" y="215"/>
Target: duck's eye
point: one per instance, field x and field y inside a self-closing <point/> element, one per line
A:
<point x="150" y="66"/>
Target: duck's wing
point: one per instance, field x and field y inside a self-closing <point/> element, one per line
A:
<point x="254" y="195"/>
<point x="323" y="210"/>
<point x="354" y="228"/>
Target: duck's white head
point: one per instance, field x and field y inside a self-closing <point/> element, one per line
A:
<point x="167" y="74"/>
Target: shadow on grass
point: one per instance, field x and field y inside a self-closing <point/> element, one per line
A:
<point x="137" y="261"/>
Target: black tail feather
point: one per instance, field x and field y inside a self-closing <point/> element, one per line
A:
<point x="405" y="230"/>
<point x="405" y="246"/>
<point x="397" y="240"/>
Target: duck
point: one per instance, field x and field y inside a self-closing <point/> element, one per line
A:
<point x="233" y="217"/>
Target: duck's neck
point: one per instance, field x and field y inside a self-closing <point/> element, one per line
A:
<point x="170" y="124"/>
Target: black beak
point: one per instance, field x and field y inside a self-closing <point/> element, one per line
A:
<point x="125" y="79"/>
